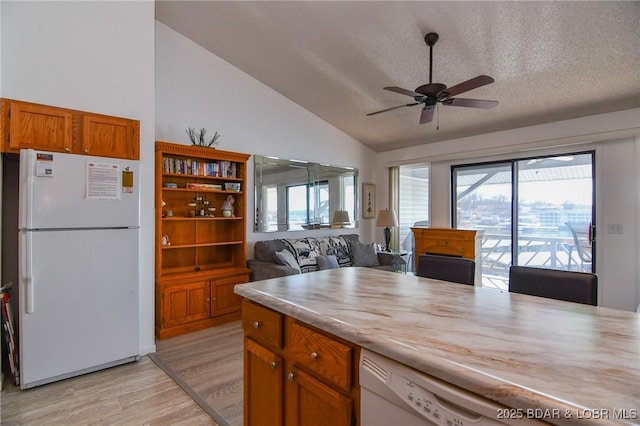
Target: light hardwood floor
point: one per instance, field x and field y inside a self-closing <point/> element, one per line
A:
<point x="138" y="393"/>
<point x="208" y="364"/>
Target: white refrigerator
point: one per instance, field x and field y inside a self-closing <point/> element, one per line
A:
<point x="78" y="238"/>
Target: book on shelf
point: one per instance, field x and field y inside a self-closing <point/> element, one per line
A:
<point x="187" y="166"/>
<point x="210" y="186"/>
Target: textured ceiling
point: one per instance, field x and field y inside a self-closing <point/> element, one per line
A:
<point x="550" y="60"/>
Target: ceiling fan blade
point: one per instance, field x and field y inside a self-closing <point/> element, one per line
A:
<point x="471" y="103"/>
<point x="404" y="91"/>
<point x="426" y="116"/>
<point x="392" y="108"/>
<point x="465" y="86"/>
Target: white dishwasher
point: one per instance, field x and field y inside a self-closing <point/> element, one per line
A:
<point x="394" y="394"/>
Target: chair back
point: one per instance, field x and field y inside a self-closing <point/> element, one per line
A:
<point x="579" y="287"/>
<point x="582" y="240"/>
<point x="447" y="268"/>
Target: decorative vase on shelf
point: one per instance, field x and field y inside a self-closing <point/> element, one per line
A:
<point x="227" y="206"/>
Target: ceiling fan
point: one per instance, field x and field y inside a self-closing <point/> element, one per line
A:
<point x="430" y="94"/>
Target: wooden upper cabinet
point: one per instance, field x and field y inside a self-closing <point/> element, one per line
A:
<point x="39" y="127"/>
<point x="26" y="125"/>
<point x="107" y="136"/>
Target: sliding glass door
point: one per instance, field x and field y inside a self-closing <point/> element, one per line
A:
<point x="535" y="211"/>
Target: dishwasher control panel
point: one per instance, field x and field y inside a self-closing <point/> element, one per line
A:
<point x="393" y="392"/>
<point x="435" y="409"/>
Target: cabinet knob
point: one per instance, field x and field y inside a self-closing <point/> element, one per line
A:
<point x="86" y="151"/>
<point x="67" y="149"/>
<point x="208" y="299"/>
<point x="257" y="324"/>
<point x="273" y="365"/>
<point x="291" y="376"/>
<point x="314" y="355"/>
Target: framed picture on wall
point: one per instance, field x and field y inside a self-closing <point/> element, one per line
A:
<point x="368" y="200"/>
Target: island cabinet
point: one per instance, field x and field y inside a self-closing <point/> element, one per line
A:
<point x="296" y="374"/>
<point x="27" y="125"/>
<point x="200" y="251"/>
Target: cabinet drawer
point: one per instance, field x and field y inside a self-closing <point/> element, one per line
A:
<point x="262" y="324"/>
<point x="320" y="354"/>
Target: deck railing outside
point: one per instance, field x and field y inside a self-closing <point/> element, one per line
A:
<point x="540" y="251"/>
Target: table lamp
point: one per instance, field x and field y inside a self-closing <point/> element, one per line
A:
<point x="341" y="218"/>
<point x="388" y="219"/>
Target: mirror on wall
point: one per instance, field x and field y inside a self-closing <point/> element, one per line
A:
<point x="293" y="195"/>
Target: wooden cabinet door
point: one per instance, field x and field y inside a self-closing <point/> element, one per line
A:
<point x="107" y="136"/>
<point x="40" y="127"/>
<point x="311" y="403"/>
<point x="263" y="386"/>
<point x="224" y="300"/>
<point x="185" y="302"/>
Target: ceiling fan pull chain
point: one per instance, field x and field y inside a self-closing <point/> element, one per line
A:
<point x="437" y="117"/>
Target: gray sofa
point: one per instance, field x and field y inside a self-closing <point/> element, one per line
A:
<point x="309" y="254"/>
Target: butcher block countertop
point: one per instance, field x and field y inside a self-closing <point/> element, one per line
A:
<point x="577" y="363"/>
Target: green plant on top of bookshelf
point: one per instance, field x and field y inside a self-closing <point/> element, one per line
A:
<point x="199" y="138"/>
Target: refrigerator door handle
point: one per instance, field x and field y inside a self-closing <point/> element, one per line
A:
<point x="27" y="270"/>
<point x="27" y="171"/>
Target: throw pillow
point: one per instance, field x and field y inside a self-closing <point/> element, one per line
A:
<point x="363" y="254"/>
<point x="339" y="247"/>
<point x="284" y="257"/>
<point x="306" y="250"/>
<point x="327" y="262"/>
<point x="264" y="250"/>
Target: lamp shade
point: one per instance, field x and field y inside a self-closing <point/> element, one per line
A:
<point x="341" y="217"/>
<point x="387" y="218"/>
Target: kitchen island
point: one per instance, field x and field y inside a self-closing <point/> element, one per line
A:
<point x="521" y="351"/>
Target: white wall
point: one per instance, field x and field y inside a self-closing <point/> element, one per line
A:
<point x="614" y="138"/>
<point x="92" y="56"/>
<point x="195" y="88"/>
<point x="1" y="278"/>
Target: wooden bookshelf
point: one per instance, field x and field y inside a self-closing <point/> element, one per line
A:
<point x="200" y="252"/>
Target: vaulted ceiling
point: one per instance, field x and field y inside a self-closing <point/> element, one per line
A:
<point x="550" y="60"/>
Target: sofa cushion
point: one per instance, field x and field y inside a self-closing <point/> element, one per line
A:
<point x="364" y="254"/>
<point x="351" y="238"/>
<point x="284" y="257"/>
<point x="306" y="250"/>
<point x="338" y="247"/>
<point x="265" y="250"/>
<point x="327" y="261"/>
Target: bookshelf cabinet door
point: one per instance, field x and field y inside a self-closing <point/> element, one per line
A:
<point x="224" y="300"/>
<point x="185" y="303"/>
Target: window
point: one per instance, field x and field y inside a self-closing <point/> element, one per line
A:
<point x="348" y="197"/>
<point x="413" y="202"/>
<point x="302" y="208"/>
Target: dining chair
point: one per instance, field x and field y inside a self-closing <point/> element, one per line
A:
<point x="447" y="268"/>
<point x="581" y="234"/>
<point x="570" y="286"/>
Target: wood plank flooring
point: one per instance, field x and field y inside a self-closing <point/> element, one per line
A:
<point x="139" y="393"/>
<point x="208" y="364"/>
